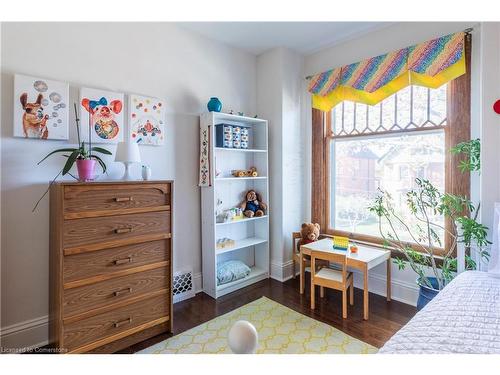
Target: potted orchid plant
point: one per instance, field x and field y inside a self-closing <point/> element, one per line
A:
<point x="85" y="156"/>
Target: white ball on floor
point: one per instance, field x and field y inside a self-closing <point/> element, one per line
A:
<point x="243" y="338"/>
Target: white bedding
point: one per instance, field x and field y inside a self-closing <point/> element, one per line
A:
<point x="463" y="318"/>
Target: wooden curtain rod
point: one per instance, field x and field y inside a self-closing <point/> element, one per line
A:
<point x="466" y="31"/>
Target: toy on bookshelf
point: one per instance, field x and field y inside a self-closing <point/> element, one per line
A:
<point x="224" y="243"/>
<point x="231" y="214"/>
<point x="252" y="172"/>
<point x="252" y="205"/>
<point x="340" y="243"/>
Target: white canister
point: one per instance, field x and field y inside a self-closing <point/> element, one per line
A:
<point x="146" y="172"/>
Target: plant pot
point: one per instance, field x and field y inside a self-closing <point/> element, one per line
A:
<point x="86" y="169"/>
<point x="426" y="294"/>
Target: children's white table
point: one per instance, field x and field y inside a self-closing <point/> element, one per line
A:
<point x="365" y="259"/>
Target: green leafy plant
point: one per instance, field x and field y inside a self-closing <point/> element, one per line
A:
<point x="84" y="151"/>
<point x="473" y="150"/>
<point x="425" y="202"/>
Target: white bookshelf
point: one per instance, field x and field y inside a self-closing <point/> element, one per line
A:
<point x="251" y="235"/>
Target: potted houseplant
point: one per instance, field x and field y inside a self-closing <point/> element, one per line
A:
<point x="424" y="251"/>
<point x="85" y="156"/>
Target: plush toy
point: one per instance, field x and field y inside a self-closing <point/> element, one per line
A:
<point x="252" y="205"/>
<point x="309" y="233"/>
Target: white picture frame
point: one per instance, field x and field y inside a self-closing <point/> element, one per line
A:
<point x="146" y="117"/>
<point x="41" y="108"/>
<point x="102" y="111"/>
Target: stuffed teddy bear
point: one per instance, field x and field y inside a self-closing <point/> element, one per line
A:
<point x="309" y="233"/>
<point x="252" y="205"/>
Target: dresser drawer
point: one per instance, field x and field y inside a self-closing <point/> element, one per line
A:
<point x="85" y="331"/>
<point x="93" y="296"/>
<point x="114" y="229"/>
<point x="85" y="265"/>
<point x="105" y="197"/>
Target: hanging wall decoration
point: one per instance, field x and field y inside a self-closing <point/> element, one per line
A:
<point x="147" y="120"/>
<point x="496" y="107"/>
<point x="40" y="108"/>
<point x="102" y="115"/>
<point x="204" y="177"/>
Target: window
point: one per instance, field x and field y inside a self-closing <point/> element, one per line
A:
<point x="370" y="150"/>
<point x="357" y="148"/>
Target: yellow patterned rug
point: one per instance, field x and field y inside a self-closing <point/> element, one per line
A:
<point x="281" y="330"/>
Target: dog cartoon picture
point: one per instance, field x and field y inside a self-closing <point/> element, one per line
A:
<point x="34" y="120"/>
<point x="102" y="111"/>
<point x="102" y="116"/>
<point x="40" y="108"/>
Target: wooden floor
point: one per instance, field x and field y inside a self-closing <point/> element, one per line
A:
<point x="386" y="318"/>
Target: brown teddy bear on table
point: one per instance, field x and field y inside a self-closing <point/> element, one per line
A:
<point x="252" y="205"/>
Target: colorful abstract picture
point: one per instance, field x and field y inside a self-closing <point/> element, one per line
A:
<point x="147" y="120"/>
<point x="40" y="108"/>
<point x="101" y="115"/>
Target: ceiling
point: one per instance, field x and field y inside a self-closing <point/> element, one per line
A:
<point x="303" y="37"/>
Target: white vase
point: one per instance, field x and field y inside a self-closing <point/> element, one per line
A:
<point x="146" y="172"/>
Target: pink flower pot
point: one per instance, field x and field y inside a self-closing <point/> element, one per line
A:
<point x="85" y="169"/>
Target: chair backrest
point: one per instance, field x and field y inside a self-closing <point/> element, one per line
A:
<point x="295" y="236"/>
<point x="339" y="259"/>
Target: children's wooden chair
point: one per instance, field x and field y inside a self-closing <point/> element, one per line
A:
<point x="326" y="277"/>
<point x="296" y="236"/>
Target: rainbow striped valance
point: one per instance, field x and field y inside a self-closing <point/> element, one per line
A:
<point x="430" y="64"/>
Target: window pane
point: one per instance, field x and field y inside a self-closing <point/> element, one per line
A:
<point x="438" y="106"/>
<point x="361" y="165"/>
<point x="419" y="105"/>
<point x="410" y="108"/>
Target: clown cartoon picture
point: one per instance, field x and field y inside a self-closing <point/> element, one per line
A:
<point x="102" y="111"/>
<point x="147" y="120"/>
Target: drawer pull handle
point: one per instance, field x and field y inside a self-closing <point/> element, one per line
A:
<point x="123" y="230"/>
<point x="122" y="322"/>
<point x="122" y="291"/>
<point x="124" y="199"/>
<point x="126" y="260"/>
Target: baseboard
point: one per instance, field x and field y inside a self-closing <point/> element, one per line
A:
<point x="24" y="336"/>
<point x="281" y="271"/>
<point x="198" y="282"/>
<point x="33" y="333"/>
<point x="401" y="291"/>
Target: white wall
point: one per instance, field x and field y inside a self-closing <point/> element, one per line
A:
<point x="485" y="124"/>
<point x="489" y="129"/>
<point x="269" y="106"/>
<point x="279" y="93"/>
<point x="160" y="60"/>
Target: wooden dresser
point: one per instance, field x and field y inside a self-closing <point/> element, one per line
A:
<point x="110" y="264"/>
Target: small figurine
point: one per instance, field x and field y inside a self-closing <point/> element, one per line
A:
<point x="241" y="114"/>
<point x="231" y="112"/>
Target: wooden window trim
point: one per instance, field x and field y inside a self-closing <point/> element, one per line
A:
<point x="457" y="129"/>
